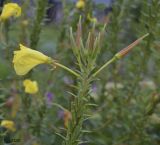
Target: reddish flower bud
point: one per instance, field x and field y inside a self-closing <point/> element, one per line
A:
<point x="9" y="102"/>
<point x="126" y="50"/>
<point x="67" y="117"/>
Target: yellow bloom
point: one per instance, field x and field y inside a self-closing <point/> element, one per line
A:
<point x="9" y="10"/>
<point x="31" y="87"/>
<point x="25" y="59"/>
<point x="80" y="4"/>
<point x="8" y="125"/>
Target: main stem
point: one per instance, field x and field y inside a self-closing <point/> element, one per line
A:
<point x="35" y="34"/>
<point x="78" y="108"/>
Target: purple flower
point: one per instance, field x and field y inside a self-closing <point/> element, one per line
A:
<point x="94" y="88"/>
<point x="49" y="98"/>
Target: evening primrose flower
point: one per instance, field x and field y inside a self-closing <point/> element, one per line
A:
<point x="80" y="4"/>
<point x="31" y="87"/>
<point x="9" y="10"/>
<point x="25" y="59"/>
<point x="8" y="125"/>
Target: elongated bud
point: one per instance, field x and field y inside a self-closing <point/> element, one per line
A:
<point x="126" y="50"/>
<point x="79" y="32"/>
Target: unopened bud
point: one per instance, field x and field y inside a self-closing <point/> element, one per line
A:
<point x="67" y="117"/>
<point x="9" y="102"/>
<point x="126" y="50"/>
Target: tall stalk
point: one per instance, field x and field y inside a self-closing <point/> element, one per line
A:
<point x="86" y="57"/>
<point x="150" y="22"/>
<point x="37" y="23"/>
<point x="78" y="108"/>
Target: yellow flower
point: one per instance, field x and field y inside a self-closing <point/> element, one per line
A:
<point x="25" y="59"/>
<point x="9" y="10"/>
<point x="80" y="4"/>
<point x="8" y="125"/>
<point x="31" y="87"/>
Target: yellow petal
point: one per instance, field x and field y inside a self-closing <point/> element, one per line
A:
<point x="25" y="59"/>
<point x="31" y="87"/>
<point x="8" y="125"/>
<point x="9" y="10"/>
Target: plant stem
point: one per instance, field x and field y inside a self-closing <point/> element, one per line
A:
<point x="78" y="108"/>
<point x="67" y="69"/>
<point x="1" y="138"/>
<point x="104" y="66"/>
<point x="37" y="23"/>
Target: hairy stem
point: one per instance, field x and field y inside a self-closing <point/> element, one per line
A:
<point x="78" y="108"/>
<point x="37" y="23"/>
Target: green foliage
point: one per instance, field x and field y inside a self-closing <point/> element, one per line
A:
<point x="118" y="105"/>
<point x="35" y="35"/>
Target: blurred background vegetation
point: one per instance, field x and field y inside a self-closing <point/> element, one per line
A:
<point x="127" y="110"/>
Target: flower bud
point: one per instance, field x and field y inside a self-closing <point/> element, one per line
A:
<point x="126" y="50"/>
